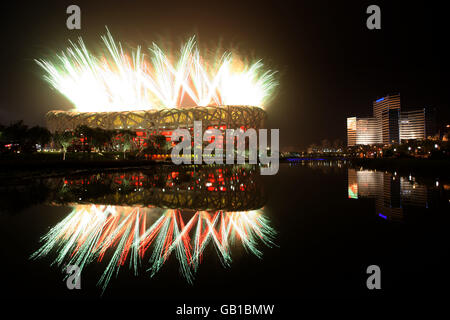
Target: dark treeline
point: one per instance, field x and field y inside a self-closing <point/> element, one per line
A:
<point x="19" y="138"/>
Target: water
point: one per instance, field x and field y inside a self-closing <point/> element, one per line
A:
<point x="226" y="233"/>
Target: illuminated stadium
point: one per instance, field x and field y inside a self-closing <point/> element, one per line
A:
<point x="156" y="92"/>
<point x="160" y="121"/>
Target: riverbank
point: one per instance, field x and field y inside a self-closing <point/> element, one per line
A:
<point x="404" y="166"/>
<point x="50" y="165"/>
<point x="438" y="167"/>
<point x="32" y="169"/>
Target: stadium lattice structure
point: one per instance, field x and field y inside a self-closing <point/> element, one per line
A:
<point x="151" y="121"/>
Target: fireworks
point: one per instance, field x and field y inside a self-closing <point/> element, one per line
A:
<point x="121" y="80"/>
<point x="92" y="232"/>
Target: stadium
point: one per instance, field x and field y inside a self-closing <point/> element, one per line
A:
<point x="160" y="121"/>
<point x="156" y="92"/>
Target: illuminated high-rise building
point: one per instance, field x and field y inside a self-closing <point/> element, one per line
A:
<point x="412" y="124"/>
<point x="417" y="124"/>
<point x="366" y="131"/>
<point x="351" y="131"/>
<point x="362" y="131"/>
<point x="390" y="125"/>
<point x="386" y="110"/>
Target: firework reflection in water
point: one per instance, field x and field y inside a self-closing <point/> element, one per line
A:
<point x="90" y="231"/>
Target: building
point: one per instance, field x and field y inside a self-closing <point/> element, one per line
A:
<point x="351" y="131"/>
<point x="383" y="127"/>
<point x="412" y="125"/>
<point x="390" y="125"/>
<point x="362" y="131"/>
<point x="418" y="124"/>
<point x="390" y="132"/>
<point x="386" y="110"/>
<point x="367" y="131"/>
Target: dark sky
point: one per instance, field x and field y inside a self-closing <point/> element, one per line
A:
<point x="330" y="65"/>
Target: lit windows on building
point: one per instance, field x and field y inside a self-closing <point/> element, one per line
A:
<point x="386" y="111"/>
<point x="390" y="125"/>
<point x="412" y="125"/>
<point x="351" y="131"/>
<point x="362" y="131"/>
<point x="367" y="131"/>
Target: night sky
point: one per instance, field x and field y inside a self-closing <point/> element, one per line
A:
<point x="330" y="65"/>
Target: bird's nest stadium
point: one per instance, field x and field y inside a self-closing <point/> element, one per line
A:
<point x="161" y="121"/>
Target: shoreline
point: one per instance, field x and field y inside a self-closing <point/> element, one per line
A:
<point x="21" y="169"/>
<point x="437" y="167"/>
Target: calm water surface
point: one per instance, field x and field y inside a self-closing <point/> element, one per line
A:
<point x="226" y="233"/>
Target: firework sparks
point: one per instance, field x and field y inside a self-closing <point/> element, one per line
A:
<point x="89" y="231"/>
<point x="120" y="80"/>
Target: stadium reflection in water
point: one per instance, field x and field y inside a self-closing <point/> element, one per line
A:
<point x="194" y="207"/>
<point x="393" y="194"/>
